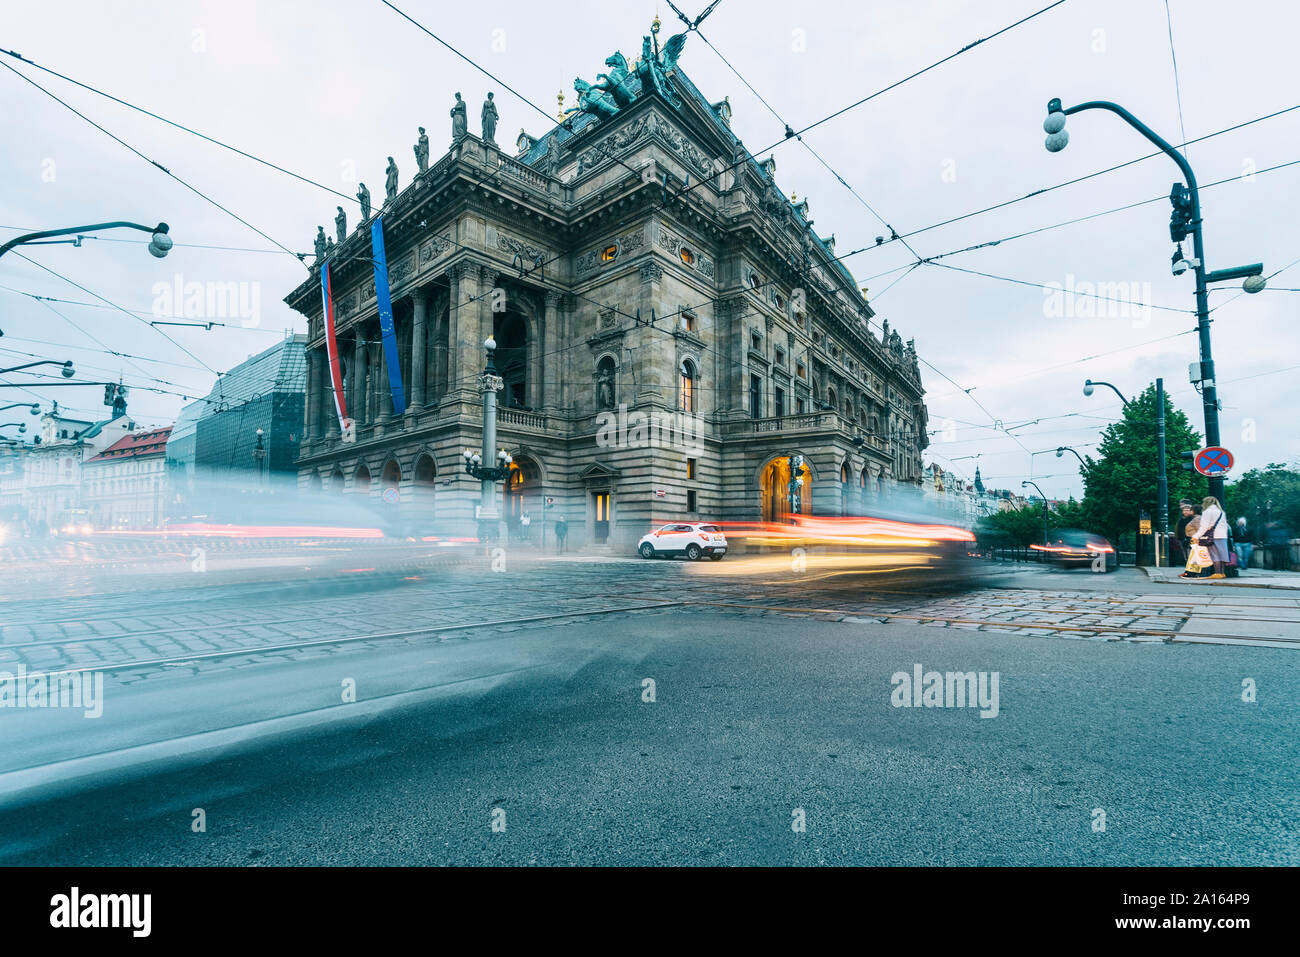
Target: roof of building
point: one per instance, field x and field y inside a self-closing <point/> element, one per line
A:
<point x="135" y="445"/>
<point x="581" y="120"/>
<point x="281" y="368"/>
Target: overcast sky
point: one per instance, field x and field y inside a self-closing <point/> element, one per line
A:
<point x="330" y="89"/>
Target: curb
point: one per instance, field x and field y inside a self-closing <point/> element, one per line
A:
<point x="1223" y="582"/>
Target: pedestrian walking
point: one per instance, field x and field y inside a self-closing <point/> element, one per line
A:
<point x="1213" y="533"/>
<point x="561" y="535"/>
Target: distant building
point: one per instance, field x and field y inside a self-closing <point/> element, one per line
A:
<point x="212" y="445"/>
<point x="42" y="485"/>
<point x="125" y="486"/>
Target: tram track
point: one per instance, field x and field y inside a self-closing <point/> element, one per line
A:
<point x="112" y="667"/>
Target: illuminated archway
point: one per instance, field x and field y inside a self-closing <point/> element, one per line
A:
<point x="777" y="499"/>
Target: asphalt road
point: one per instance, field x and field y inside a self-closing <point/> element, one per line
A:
<point x="757" y="715"/>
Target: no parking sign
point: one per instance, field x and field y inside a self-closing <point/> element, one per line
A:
<point x="1214" y="461"/>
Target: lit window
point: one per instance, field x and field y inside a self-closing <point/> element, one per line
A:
<point x="688" y="257"/>
<point x="686" y="394"/>
<point x="690" y="468"/>
<point x="609" y="254"/>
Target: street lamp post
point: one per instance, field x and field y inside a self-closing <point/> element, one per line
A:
<point x="1044" y="498"/>
<point x="1186" y="219"/>
<point x="259" y="454"/>
<point x="22" y="429"/>
<point x="159" y="244"/>
<point x="1162" y="477"/>
<point x="488" y="475"/>
<point x="33" y="406"/>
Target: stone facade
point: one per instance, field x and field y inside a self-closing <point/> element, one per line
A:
<point x="717" y="315"/>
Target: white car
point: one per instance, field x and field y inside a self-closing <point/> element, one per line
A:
<point x="692" y="539"/>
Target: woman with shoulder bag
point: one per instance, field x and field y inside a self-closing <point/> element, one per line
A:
<point x="1213" y="533"/>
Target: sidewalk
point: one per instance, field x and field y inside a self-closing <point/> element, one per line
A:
<point x="1250" y="578"/>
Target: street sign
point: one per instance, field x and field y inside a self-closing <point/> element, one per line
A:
<point x="661" y="493"/>
<point x="1214" y="461"/>
<point x="1144" y="526"/>
<point x="390" y="496"/>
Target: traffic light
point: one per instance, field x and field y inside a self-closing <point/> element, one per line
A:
<point x="1180" y="220"/>
<point x="1189" y="461"/>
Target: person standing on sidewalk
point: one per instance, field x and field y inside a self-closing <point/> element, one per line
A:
<point x="561" y="535"/>
<point x="1180" y="540"/>
<point x="1213" y="532"/>
<point x="1244" y="548"/>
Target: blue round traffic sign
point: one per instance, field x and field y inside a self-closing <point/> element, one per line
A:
<point x="1214" y="461"/>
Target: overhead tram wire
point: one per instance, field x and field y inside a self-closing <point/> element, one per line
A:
<point x="91" y="292"/>
<point x="151" y="162"/>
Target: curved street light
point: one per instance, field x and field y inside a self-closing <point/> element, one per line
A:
<point x="34" y="406"/>
<point x="22" y="428"/>
<point x="1089" y="385"/>
<point x="1065" y="448"/>
<point x="1044" y="498"/>
<point x="159" y="243"/>
<point x="68" y="370"/>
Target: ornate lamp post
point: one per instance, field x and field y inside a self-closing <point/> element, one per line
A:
<point x="259" y="454"/>
<point x="1061" y="450"/>
<point x="490" y="383"/>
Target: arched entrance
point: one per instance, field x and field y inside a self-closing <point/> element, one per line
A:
<point x="336" y="481"/>
<point x="777" y="498"/>
<point x="420" y="502"/>
<point x="361" y="480"/>
<point x="391" y="477"/>
<point x="522" y="496"/>
<point x="511" y="334"/>
<point x="315" y="483"/>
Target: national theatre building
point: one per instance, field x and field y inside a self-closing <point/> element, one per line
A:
<point x="669" y="329"/>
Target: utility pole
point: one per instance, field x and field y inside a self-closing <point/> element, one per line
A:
<point x="1186" y="218"/>
<point x="1162" y="479"/>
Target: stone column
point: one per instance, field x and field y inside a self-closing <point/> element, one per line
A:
<point x="450" y="383"/>
<point x="328" y="409"/>
<point x="653" y="358"/>
<point x="311" y="423"/>
<point x="383" y="393"/>
<point x="357" y="377"/>
<point x="550" y="357"/>
<point x="372" y="389"/>
<point x="486" y="279"/>
<point x="419" y="322"/>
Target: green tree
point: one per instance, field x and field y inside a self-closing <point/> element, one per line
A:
<point x="1120" y="482"/>
<point x="1018" y="527"/>
<point x="1271" y="491"/>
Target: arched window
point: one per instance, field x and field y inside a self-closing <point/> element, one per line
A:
<point x="686" y="392"/>
<point x="830" y="398"/>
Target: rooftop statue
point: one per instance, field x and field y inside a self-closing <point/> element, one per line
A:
<point x="458" y="121"/>
<point x="594" y="101"/>
<point x="613" y="91"/>
<point x="615" y="82"/>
